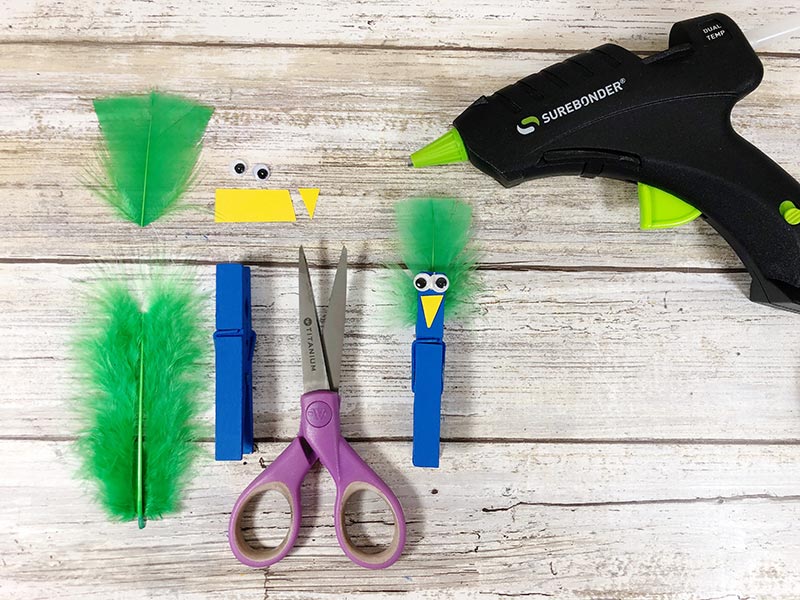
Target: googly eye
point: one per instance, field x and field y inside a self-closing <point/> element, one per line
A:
<point x="261" y="171"/>
<point x="439" y="282"/>
<point x="422" y="281"/>
<point x="238" y="167"/>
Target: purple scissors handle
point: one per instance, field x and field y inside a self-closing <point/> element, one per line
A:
<point x="284" y="475"/>
<point x="319" y="439"/>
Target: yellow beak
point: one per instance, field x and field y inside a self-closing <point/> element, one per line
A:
<point x="430" y="306"/>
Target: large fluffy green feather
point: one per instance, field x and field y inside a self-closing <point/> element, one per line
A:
<point x="141" y="374"/>
<point x="434" y="236"/>
<point x="151" y="146"/>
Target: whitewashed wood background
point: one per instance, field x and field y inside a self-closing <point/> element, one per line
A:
<point x="620" y="421"/>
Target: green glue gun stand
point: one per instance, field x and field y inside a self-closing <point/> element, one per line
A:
<point x="662" y="121"/>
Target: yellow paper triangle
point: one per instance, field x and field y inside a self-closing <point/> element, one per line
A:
<point x="309" y="196"/>
<point x="430" y="306"/>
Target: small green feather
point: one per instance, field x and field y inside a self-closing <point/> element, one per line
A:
<point x="150" y="151"/>
<point x="141" y="374"/>
<point x="434" y="236"/>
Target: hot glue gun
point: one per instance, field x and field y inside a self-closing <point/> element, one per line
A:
<point x="662" y="121"/>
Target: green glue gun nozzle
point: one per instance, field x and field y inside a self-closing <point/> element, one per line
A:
<point x="446" y="150"/>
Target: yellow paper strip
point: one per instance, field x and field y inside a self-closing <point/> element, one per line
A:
<point x="253" y="206"/>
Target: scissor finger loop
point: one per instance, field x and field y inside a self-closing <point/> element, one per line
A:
<point x="285" y="475"/>
<point x="372" y="560"/>
<point x="263" y="556"/>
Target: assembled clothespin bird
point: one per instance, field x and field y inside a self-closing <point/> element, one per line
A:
<point x="434" y="238"/>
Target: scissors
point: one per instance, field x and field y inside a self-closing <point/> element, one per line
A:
<point x="320" y="439"/>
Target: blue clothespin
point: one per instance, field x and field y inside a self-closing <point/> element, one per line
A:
<point x="427" y="378"/>
<point x="234" y="342"/>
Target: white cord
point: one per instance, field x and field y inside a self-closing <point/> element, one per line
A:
<point x="789" y="25"/>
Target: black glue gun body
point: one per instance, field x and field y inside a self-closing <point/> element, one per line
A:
<point x="662" y="121"/>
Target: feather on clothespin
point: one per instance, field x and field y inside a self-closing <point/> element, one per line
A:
<point x="434" y="237"/>
<point x="150" y="149"/>
<point x="140" y="373"/>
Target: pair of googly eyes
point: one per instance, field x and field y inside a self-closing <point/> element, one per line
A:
<point x="260" y="170"/>
<point x="437" y="282"/>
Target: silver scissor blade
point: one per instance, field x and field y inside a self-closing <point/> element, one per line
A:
<point x="315" y="373"/>
<point x="333" y="330"/>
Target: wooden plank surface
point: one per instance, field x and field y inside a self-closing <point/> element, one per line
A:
<point x="620" y="422"/>
<point x="545" y="24"/>
<point x="550" y="354"/>
<point x="519" y="520"/>
<point x="353" y="117"/>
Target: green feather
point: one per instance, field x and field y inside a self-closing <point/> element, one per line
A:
<point x="150" y="151"/>
<point x="141" y="374"/>
<point x="434" y="236"/>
